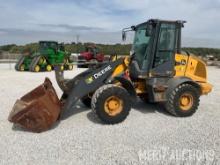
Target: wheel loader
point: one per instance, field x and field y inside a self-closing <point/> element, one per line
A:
<point x="157" y="71"/>
<point x="49" y="54"/>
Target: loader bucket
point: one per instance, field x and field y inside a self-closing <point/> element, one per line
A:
<point x="38" y="110"/>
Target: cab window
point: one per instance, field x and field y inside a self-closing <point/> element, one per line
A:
<point x="166" y="44"/>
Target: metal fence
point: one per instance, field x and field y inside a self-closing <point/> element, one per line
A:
<point x="8" y="60"/>
<point x="7" y="55"/>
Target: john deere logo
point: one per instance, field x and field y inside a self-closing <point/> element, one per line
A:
<point x="102" y="72"/>
<point x="89" y="80"/>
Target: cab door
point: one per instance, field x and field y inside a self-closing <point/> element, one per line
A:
<point x="163" y="62"/>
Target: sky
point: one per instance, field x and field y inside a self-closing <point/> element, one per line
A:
<point x="101" y="21"/>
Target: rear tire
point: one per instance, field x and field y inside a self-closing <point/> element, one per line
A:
<point x="183" y="101"/>
<point x="42" y="61"/>
<point x="19" y="63"/>
<point x="111" y="103"/>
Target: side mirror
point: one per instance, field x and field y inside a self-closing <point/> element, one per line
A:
<point x="132" y="28"/>
<point x="124" y="36"/>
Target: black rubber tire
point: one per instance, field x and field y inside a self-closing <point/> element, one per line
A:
<point x="33" y="63"/>
<point x="86" y="100"/>
<point x="104" y="93"/>
<point x="173" y="104"/>
<point x="19" y="63"/>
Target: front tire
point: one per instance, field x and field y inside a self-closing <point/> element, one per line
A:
<point x="183" y="100"/>
<point x="111" y="103"/>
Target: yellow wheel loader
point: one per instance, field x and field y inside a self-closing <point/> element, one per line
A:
<point x="157" y="71"/>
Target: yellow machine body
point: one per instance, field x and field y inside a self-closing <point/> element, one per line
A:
<point x="193" y="68"/>
<point x="186" y="66"/>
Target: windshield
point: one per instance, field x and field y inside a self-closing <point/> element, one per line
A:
<point x="141" y="43"/>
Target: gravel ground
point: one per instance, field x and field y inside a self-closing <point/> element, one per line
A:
<point x="148" y="136"/>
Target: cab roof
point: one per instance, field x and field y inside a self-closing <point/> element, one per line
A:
<point x="49" y="42"/>
<point x="181" y="22"/>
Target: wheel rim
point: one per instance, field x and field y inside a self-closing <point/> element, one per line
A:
<point x="37" y="68"/>
<point x="66" y="61"/>
<point x="70" y="67"/>
<point x="186" y="101"/>
<point x="113" y="106"/>
<point x="49" y="68"/>
<point x="42" y="61"/>
<point x="61" y="67"/>
<point x="22" y="67"/>
<point x="45" y="61"/>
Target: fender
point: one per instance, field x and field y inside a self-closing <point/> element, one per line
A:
<point x="128" y="86"/>
<point x="176" y="81"/>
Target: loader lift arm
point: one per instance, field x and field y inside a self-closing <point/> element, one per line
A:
<point x="86" y="82"/>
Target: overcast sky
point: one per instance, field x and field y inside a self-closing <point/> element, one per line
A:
<point x="101" y="21"/>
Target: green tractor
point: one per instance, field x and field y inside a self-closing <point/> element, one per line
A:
<point x="50" y="53"/>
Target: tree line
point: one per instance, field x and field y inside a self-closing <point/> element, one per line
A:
<point x="121" y="49"/>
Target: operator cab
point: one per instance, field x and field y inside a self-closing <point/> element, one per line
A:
<point x="94" y="50"/>
<point x="61" y="47"/>
<point x="154" y="47"/>
<point x="45" y="45"/>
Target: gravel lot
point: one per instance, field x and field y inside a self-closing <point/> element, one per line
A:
<point x="82" y="139"/>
